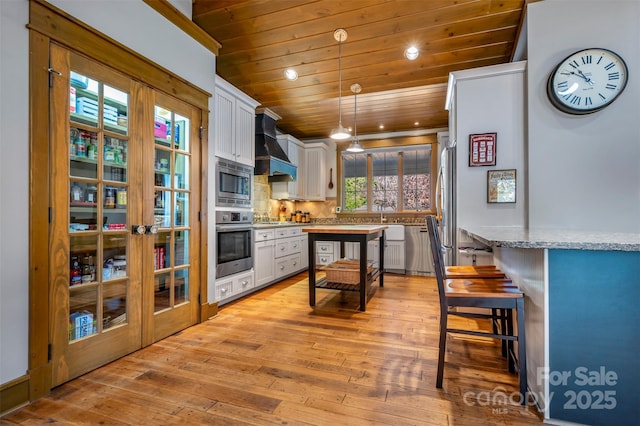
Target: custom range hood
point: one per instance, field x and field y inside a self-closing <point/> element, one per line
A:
<point x="271" y="160"/>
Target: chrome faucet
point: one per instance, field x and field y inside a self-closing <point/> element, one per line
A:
<point x="382" y="218"/>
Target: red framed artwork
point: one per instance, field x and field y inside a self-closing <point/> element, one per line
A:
<point x="482" y="149"/>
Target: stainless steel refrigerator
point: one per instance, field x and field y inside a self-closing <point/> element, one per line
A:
<point x="446" y="199"/>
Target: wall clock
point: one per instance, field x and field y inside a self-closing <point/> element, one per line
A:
<point x="587" y="81"/>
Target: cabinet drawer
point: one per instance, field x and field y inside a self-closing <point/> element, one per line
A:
<point x="287" y="246"/>
<point x="324" y="259"/>
<point x="282" y="248"/>
<point x="243" y="284"/>
<point x="294" y="231"/>
<point x="263" y="234"/>
<point x="287" y="265"/>
<point x="324" y="247"/>
<point x="224" y="289"/>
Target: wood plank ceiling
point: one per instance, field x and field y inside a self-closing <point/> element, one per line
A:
<point x="262" y="38"/>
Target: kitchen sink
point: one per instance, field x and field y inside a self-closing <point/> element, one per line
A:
<point x="395" y="233"/>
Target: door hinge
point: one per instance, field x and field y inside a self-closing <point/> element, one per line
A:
<point x="199" y="216"/>
<point x="49" y="350"/>
<point x="50" y="214"/>
<point x="202" y="129"/>
<point x="199" y="299"/>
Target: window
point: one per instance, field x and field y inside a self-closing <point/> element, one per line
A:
<point x="354" y="182"/>
<point x="387" y="179"/>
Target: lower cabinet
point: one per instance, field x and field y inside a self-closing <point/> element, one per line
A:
<point x="263" y="255"/>
<point x="279" y="253"/>
<point x="304" y="251"/>
<point x="394" y="256"/>
<point x="233" y="285"/>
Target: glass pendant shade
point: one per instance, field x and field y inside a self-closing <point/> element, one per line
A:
<point x="340" y="133"/>
<point x="355" y="146"/>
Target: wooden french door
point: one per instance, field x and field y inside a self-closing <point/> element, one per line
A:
<point x="124" y="196"/>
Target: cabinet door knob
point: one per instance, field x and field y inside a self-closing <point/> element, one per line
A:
<point x="281" y="267"/>
<point x="138" y="229"/>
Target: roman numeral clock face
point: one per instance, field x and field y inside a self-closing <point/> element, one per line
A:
<point x="587" y="81"/>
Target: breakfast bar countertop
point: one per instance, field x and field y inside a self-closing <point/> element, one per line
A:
<point x="517" y="237"/>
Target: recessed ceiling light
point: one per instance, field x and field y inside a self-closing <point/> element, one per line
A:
<point x="417" y="123"/>
<point x="381" y="126"/>
<point x="411" y="53"/>
<point x="291" y="74"/>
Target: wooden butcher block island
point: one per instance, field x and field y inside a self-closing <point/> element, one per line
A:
<point x="341" y="273"/>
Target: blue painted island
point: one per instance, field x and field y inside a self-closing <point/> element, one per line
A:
<point x="582" y="319"/>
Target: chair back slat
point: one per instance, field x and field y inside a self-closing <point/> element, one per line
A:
<point x="438" y="258"/>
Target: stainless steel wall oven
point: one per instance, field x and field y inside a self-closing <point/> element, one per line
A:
<point x="234" y="244"/>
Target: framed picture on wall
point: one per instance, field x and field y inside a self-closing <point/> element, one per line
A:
<point x="501" y="186"/>
<point x="482" y="149"/>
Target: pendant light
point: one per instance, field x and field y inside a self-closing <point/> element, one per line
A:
<point x="355" y="145"/>
<point x="340" y="133"/>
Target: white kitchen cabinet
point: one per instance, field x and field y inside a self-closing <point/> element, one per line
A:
<point x="234" y="121"/>
<point x="315" y="164"/>
<point x="304" y="251"/>
<point x="263" y="256"/>
<point x="296" y="152"/>
<point x="277" y="253"/>
<point x="394" y="251"/>
<point x="233" y="286"/>
<point x="352" y="251"/>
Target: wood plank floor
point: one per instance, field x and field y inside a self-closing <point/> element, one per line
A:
<point x="271" y="359"/>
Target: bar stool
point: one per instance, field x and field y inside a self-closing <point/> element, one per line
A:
<point x="495" y="294"/>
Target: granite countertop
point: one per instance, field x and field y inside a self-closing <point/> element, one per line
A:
<point x="344" y="229"/>
<point x="554" y="238"/>
<point x="266" y="225"/>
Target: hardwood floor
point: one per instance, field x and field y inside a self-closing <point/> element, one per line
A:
<point x="272" y="359"/>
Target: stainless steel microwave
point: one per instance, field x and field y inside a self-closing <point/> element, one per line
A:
<point x="233" y="184"/>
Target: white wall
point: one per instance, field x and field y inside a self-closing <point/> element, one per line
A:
<point x="14" y="189"/>
<point x="490" y="99"/>
<point x="584" y="171"/>
<point x="159" y="40"/>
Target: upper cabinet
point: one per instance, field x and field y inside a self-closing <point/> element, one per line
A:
<point x="234" y="123"/>
<point x="315" y="171"/>
<point x="295" y="151"/>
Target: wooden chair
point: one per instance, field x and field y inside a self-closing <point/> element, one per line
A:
<point x="499" y="295"/>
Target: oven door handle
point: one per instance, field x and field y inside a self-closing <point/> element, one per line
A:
<point x="236" y="227"/>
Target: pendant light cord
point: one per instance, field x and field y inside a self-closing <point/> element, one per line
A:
<point x="340" y="83"/>
<point x="355" y="116"/>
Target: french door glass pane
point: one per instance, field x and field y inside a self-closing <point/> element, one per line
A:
<point x="172" y="174"/>
<point x="114" y="304"/>
<point x="181" y="249"/>
<point x="181" y="288"/>
<point x="98" y="206"/>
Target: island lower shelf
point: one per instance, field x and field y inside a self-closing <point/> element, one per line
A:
<point x="335" y="285"/>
